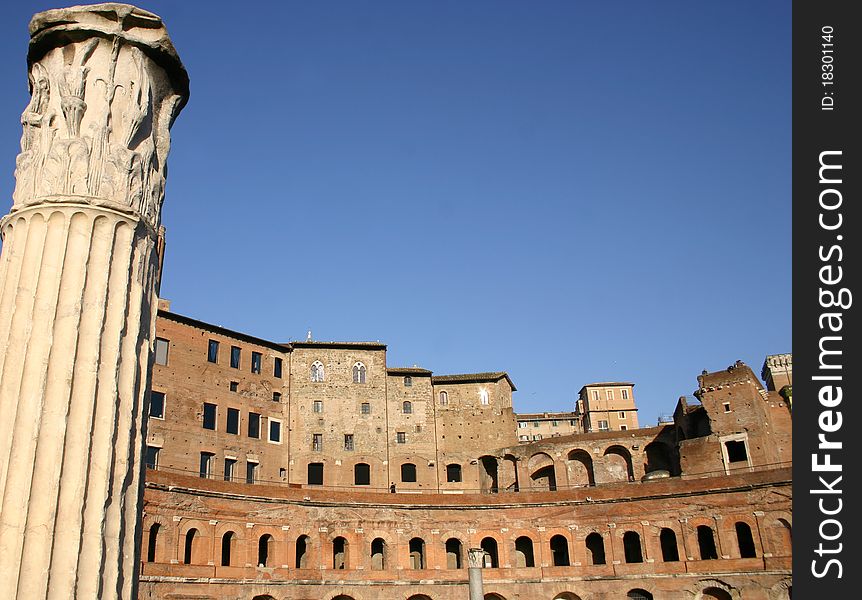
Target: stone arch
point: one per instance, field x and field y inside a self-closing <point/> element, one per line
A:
<point x="659" y="457"/>
<point x="580" y="468"/>
<point x="488" y="474"/>
<point x="416" y="547"/>
<point x="669" y="545"/>
<point x="197" y="543"/>
<point x="302" y="559"/>
<point x="595" y="544"/>
<point x="524" y="552"/>
<point x="419" y="597"/>
<point x="454" y="553"/>
<point x="783" y="590"/>
<point x="745" y="540"/>
<point x="492" y="554"/>
<point x="715" y="589"/>
<point x="542" y="474"/>
<point x="265" y="550"/>
<point x="342" y="597"/>
<point x="340" y="548"/>
<point x="263" y="597"/>
<point x="378" y="554"/>
<point x="228" y="548"/>
<point x="618" y="463"/>
<point x="567" y="596"/>
<point x="191" y="543"/>
<point x="632" y="547"/>
<point x="154" y="541"/>
<point x="511" y="463"/>
<point x="560" y="551"/>
<point x="494" y="596"/>
<point x="780" y="533"/>
<point x="639" y="594"/>
<point x="539" y="460"/>
<point x="706" y="542"/>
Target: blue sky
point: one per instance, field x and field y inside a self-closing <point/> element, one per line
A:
<point x="568" y="191"/>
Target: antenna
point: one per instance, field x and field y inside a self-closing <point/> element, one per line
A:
<point x="308" y="337"/>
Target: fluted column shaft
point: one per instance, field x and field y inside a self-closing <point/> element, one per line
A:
<point x="78" y="277"/>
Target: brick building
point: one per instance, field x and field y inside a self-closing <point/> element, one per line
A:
<point x="272" y="466"/>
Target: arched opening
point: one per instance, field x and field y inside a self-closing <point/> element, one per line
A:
<point x="560" y="551"/>
<point x="152" y="540"/>
<point x="417" y="553"/>
<point x="567" y="596"/>
<point x="785" y="538"/>
<point x="714" y="593"/>
<point x="188" y="553"/>
<point x="618" y="462"/>
<point x="596" y="548"/>
<point x="511" y="466"/>
<point x="489" y="545"/>
<point x="339" y="553"/>
<point x="524" y="552"/>
<point x="706" y="543"/>
<point x="228" y="545"/>
<point x="419" y="597"/>
<point x="263" y="597"/>
<point x="494" y="597"/>
<point x="453" y="553"/>
<point x="745" y="540"/>
<point x="669" y="547"/>
<point x="378" y="554"/>
<point x="408" y="473"/>
<point x="488" y="474"/>
<point x="638" y="594"/>
<point x="453" y="473"/>
<point x="265" y="550"/>
<point x="343" y="597"/>
<point x="361" y="474"/>
<point x="301" y="561"/>
<point x="632" y="547"/>
<point x="545" y="479"/>
<point x="407" y="407"/>
<point x="580" y="466"/>
<point x="359" y="373"/>
<point x="658" y="458"/>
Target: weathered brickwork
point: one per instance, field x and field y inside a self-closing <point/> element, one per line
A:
<point x="697" y="509"/>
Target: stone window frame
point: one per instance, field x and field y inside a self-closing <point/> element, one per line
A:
<point x="444" y="398"/>
<point x="484" y="397"/>
<point x="734" y="437"/>
<point x="609" y="395"/>
<point x="277" y="367"/>
<point x="235" y="357"/>
<point x="256" y="362"/>
<point x="621" y="414"/>
<point x="212" y="357"/>
<point x="317" y="407"/>
<point x="407" y="407"/>
<point x="215" y="416"/>
<point x="318" y="372"/>
<point x="400" y="437"/>
<point x="408" y="381"/>
<point x="238" y="413"/>
<point x="349" y="442"/>
<point x="158" y="448"/>
<point x="161" y="345"/>
<point x="624" y="393"/>
<point x="280" y="431"/>
<point x="365" y="408"/>
<point x="607" y="426"/>
<point x="360" y="372"/>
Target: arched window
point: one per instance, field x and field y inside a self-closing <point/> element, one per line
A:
<point x="669" y="548"/>
<point x="484" y="399"/>
<point x="408" y="473"/>
<point x="745" y="540"/>
<point x="489" y="545"/>
<point x="152" y="540"/>
<point x="444" y="399"/>
<point x="580" y="467"/>
<point x="706" y="543"/>
<point x="407" y="407"/>
<point x="378" y="554"/>
<point x="639" y="594"/>
<point x="361" y="474"/>
<point x="453" y="473"/>
<point x="453" y="553"/>
<point x="190" y="545"/>
<point x="632" y="547"/>
<point x="596" y="547"/>
<point x="714" y="593"/>
<point x="524" y="552"/>
<point x="301" y="552"/>
<point x="618" y="462"/>
<point x="264" y="550"/>
<point x="560" y="551"/>
<point x="228" y="541"/>
<point x="317" y="373"/>
<point x="359" y="373"/>
<point x="417" y="553"/>
<point x="339" y="553"/>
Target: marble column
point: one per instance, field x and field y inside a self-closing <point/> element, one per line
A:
<point x="78" y="278"/>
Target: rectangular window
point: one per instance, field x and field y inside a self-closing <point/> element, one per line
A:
<point x="537" y="437"/>
<point x="603" y="425"/>
<point x="206" y="464"/>
<point x="157" y="405"/>
<point x="572" y="422"/>
<point x="250" y="472"/>
<point x="535" y="423"/>
<point x="209" y="416"/>
<point x="625" y="394"/>
<point x="212" y="352"/>
<point x="596" y="395"/>
<point x="254" y="425"/>
<point x="522" y="424"/>
<point x="255" y="362"/>
<point x="408" y="381"/>
<point x="152" y="459"/>
<point x="234" y="357"/>
<point x="162" y="351"/>
<point x="348" y="441"/>
<point x="621" y="414"/>
<point x="317" y="442"/>
<point x="317" y="406"/>
<point x="726" y="407"/>
<point x="233" y="421"/>
<point x="624" y="427"/>
<point x="274" y="431"/>
<point x="229" y="467"/>
<point x="609" y="394"/>
<point x="234" y="386"/>
<point x="555" y="423"/>
<point x="365" y="408"/>
<point x="276" y="368"/>
<point x="401" y="437"/>
<point x="524" y="438"/>
<point x="276" y="396"/>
